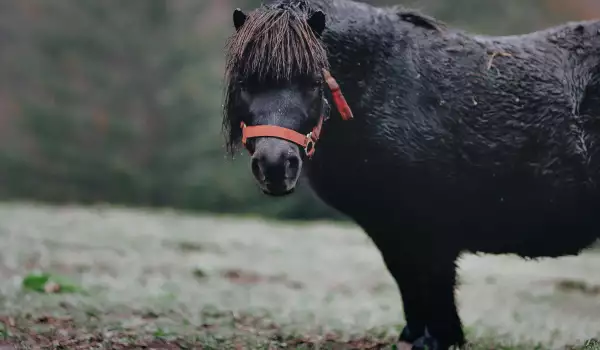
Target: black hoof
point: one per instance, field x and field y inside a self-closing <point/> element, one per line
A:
<point x="427" y="342"/>
<point x="407" y="336"/>
<point x="424" y="343"/>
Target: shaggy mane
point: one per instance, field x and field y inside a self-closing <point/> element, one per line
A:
<point x="274" y="44"/>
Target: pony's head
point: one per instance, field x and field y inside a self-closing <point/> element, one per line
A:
<point x="274" y="89"/>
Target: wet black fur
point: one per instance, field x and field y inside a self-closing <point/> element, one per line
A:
<point x="459" y="143"/>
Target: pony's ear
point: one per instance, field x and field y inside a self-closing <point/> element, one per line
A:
<point x="239" y="18"/>
<point x="316" y="21"/>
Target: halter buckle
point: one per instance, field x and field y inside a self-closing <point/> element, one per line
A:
<point x="309" y="149"/>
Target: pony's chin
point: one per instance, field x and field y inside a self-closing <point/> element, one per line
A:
<point x="278" y="193"/>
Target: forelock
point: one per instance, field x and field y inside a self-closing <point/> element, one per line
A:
<point x="277" y="43"/>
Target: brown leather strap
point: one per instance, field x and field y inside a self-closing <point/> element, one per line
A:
<point x="338" y="97"/>
<point x="273" y="131"/>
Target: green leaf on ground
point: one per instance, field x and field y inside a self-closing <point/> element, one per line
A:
<point x="48" y="283"/>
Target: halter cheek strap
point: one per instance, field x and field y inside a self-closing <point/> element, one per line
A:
<point x="338" y="97"/>
<point x="308" y="141"/>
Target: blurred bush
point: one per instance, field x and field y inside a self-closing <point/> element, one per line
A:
<point x="119" y="101"/>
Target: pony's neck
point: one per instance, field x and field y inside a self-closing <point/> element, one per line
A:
<point x="344" y="10"/>
<point x="357" y="36"/>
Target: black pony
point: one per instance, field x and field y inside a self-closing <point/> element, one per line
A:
<point x="458" y="142"/>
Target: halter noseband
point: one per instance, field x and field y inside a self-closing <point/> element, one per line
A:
<point x="308" y="141"/>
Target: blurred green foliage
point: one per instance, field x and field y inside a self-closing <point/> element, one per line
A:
<point x="119" y="101"/>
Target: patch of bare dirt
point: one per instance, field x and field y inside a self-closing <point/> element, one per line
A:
<point x="241" y="276"/>
<point x="569" y="285"/>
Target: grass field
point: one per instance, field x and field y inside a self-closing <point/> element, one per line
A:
<point x="108" y="278"/>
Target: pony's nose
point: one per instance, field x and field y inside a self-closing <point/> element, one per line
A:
<point x="275" y="167"/>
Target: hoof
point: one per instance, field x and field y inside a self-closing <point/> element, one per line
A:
<point x="411" y="341"/>
<point x="407" y="336"/>
<point x="427" y="342"/>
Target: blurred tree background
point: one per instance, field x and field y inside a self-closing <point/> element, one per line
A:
<point x="119" y="101"/>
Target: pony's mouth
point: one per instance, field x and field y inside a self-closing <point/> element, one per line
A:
<point x="277" y="190"/>
<point x="278" y="193"/>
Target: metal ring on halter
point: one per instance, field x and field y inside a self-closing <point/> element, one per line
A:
<point x="310" y="144"/>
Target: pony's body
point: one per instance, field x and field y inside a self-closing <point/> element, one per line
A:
<point x="500" y="156"/>
<point x="459" y="143"/>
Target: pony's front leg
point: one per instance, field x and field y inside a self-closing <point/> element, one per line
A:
<point x="426" y="282"/>
<point x="402" y="263"/>
<point x="443" y="326"/>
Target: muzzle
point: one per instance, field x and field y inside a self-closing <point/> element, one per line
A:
<point x="308" y="141"/>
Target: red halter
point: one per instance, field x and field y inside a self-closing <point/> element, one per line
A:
<point x="308" y="141"/>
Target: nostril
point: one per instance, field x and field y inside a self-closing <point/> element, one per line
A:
<point x="256" y="169"/>
<point x="293" y="163"/>
<point x="292" y="167"/>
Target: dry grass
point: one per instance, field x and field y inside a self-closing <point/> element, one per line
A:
<point x="168" y="281"/>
